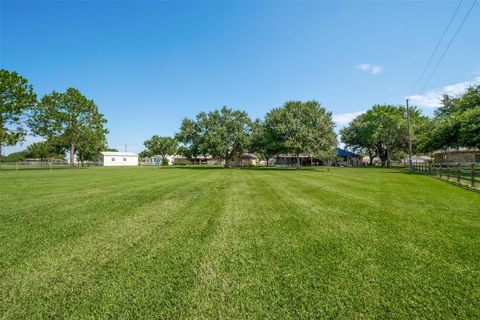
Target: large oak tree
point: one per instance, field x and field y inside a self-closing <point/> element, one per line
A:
<point x="301" y="127"/>
<point x="382" y="131"/>
<point x="191" y="137"/>
<point x="225" y="132"/>
<point x="68" y="119"/>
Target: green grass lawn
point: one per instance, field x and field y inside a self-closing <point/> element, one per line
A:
<point x="232" y="243"/>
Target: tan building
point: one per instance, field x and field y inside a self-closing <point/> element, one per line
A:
<point x="461" y="155"/>
<point x="243" y="160"/>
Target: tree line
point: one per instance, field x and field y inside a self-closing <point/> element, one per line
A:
<point x="68" y="121"/>
<point x="381" y="131"/>
<point x="295" y="128"/>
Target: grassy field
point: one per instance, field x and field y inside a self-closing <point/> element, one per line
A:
<point x="232" y="243"/>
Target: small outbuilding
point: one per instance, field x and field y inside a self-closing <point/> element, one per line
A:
<point x="461" y="155"/>
<point x="111" y="158"/>
<point x="347" y="158"/>
<point x="243" y="160"/>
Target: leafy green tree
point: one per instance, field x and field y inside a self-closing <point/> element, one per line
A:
<point x="224" y="132"/>
<point x="68" y="119"/>
<point x="262" y="142"/>
<point x="144" y="154"/>
<point x="14" y="157"/>
<point x="359" y="136"/>
<point x="191" y="137"/>
<point x="44" y="150"/>
<point x="16" y="98"/>
<point x="162" y="146"/>
<point x="468" y="100"/>
<point x="469" y="133"/>
<point x="382" y="131"/>
<point x="301" y="127"/>
<point x="456" y="123"/>
<point x="90" y="145"/>
<point x="391" y="130"/>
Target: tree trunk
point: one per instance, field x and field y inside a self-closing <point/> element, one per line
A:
<point x="371" y="157"/>
<point x="72" y="154"/>
<point x="388" y="158"/>
<point x="226" y="160"/>
<point x="1" y="155"/>
<point x="298" y="160"/>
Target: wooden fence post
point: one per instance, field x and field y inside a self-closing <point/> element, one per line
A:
<point x="472" y="175"/>
<point x="458" y="172"/>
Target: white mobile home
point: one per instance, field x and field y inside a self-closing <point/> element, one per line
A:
<point x="110" y="158"/>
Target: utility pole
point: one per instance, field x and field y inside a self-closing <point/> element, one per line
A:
<point x="409" y="140"/>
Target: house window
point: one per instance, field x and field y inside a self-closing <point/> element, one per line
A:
<point x="113" y="159"/>
<point x="477" y="158"/>
<point x="124" y="159"/>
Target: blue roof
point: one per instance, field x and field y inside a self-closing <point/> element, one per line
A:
<point x="345" y="153"/>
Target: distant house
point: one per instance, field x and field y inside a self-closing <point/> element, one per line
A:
<point x="347" y="158"/>
<point x="457" y="155"/>
<point x="344" y="157"/>
<point x="200" y="159"/>
<point x="418" y="159"/>
<point x="305" y="159"/>
<point x="366" y="160"/>
<point x="158" y="160"/>
<point x="110" y="158"/>
<point x="243" y="160"/>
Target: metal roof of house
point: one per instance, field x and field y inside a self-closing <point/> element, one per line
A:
<point x="248" y="155"/>
<point x="120" y="154"/>
<point x="346" y="153"/>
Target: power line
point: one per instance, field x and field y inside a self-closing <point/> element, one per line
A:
<point x="437" y="46"/>
<point x="449" y="44"/>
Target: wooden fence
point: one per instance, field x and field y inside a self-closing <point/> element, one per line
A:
<point x="465" y="174"/>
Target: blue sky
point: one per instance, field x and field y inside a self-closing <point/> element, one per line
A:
<point x="149" y="64"/>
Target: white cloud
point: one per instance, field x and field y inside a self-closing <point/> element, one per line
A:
<point x="370" y="68"/>
<point x="345" y="118"/>
<point x="433" y="98"/>
<point x="377" y="69"/>
<point x="364" y="67"/>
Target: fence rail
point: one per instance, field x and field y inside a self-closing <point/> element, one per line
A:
<point x="465" y="174"/>
<point x="52" y="165"/>
<point x="43" y="165"/>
